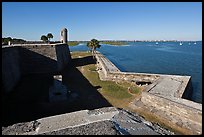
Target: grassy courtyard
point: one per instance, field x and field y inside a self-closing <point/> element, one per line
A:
<point x="116" y="93"/>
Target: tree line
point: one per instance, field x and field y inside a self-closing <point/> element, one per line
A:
<point x="44" y="38"/>
<point x="12" y="40"/>
<point x="93" y="44"/>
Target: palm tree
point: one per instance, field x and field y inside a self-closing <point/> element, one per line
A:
<point x="44" y="38"/>
<point x="49" y="36"/>
<point x="93" y="44"/>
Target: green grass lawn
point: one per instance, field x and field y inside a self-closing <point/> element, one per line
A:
<point x="115" y="92"/>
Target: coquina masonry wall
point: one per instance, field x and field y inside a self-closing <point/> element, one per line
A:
<point x="11" y="69"/>
<point x="22" y="60"/>
<point x="115" y="74"/>
<point x="181" y="112"/>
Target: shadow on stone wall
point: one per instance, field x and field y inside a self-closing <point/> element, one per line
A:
<point x="83" y="61"/>
<point x="189" y="91"/>
<point x="30" y="99"/>
<point x="33" y="62"/>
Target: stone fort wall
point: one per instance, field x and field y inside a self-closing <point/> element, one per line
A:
<point x="11" y="68"/>
<point x="181" y="112"/>
<point x="20" y="60"/>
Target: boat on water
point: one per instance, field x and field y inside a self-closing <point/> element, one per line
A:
<point x="195" y="43"/>
<point x="157" y="43"/>
<point x="181" y="43"/>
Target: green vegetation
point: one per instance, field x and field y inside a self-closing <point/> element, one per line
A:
<point x="118" y="43"/>
<point x="109" y="88"/>
<point x="44" y="38"/>
<point x="14" y="40"/>
<point x="116" y="93"/>
<point x="93" y="44"/>
<point x="49" y="36"/>
<point x="73" y="43"/>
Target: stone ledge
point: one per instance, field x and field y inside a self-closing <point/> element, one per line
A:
<point x="73" y="119"/>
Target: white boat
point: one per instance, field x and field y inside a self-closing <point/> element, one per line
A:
<point x="194" y="42"/>
<point x="181" y="43"/>
<point x="157" y="43"/>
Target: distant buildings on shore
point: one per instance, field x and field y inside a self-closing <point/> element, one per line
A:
<point x="142" y="41"/>
<point x="21" y="41"/>
<point x="151" y="40"/>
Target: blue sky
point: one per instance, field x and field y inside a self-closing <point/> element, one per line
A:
<point x="103" y="20"/>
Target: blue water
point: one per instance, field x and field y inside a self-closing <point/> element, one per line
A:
<point x="161" y="58"/>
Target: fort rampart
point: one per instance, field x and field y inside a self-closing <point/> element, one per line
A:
<point x="20" y="60"/>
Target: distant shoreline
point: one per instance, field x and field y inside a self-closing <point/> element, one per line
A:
<point x="117" y="43"/>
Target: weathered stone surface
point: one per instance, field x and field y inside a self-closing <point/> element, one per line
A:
<point x="11" y="69"/>
<point x="167" y="87"/>
<point x="38" y="58"/>
<point x="102" y="110"/>
<point x="74" y="119"/>
<point x="20" y="128"/>
<point x="103" y="121"/>
<point x="96" y="128"/>
<point x="183" y="113"/>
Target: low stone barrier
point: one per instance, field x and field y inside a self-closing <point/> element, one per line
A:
<point x="181" y="112"/>
<point x="111" y="72"/>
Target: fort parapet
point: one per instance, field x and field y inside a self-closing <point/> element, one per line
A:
<point x="22" y="59"/>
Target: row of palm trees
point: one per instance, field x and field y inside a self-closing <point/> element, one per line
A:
<point x="46" y="38"/>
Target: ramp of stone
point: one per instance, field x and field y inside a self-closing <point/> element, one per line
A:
<point x="108" y="64"/>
